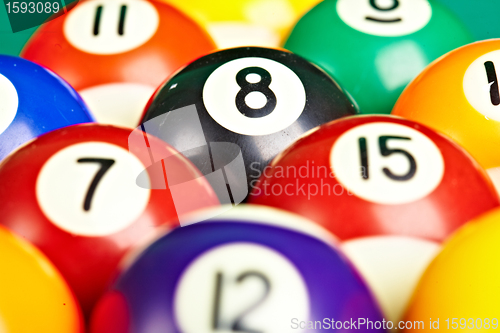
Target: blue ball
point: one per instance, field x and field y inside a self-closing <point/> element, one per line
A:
<point x="236" y="276"/>
<point x="34" y="101"/>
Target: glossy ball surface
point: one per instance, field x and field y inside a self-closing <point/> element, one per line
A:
<point x="75" y="193"/>
<point x="470" y="257"/>
<point x="257" y="98"/>
<point x="392" y="267"/>
<point x="377" y="175"/>
<point x="118" y="50"/>
<point x="375" y="48"/>
<point x="246" y="22"/>
<point x="34" y="101"/>
<point x="458" y="96"/>
<point x="227" y="268"/>
<point x="262" y="214"/>
<point x="30" y="284"/>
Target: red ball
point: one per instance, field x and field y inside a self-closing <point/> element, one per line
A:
<point x="84" y="200"/>
<point x="377" y="175"/>
<point x="118" y="48"/>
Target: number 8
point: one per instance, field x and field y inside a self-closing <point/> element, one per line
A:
<point x="248" y="87"/>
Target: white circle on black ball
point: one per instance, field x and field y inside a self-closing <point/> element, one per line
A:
<point x="240" y="287"/>
<point x="265" y="85"/>
<point x="90" y="189"/>
<point x="388" y="18"/>
<point x="481" y="86"/>
<point x="9" y="102"/>
<point x="387" y="163"/>
<point x="111" y="26"/>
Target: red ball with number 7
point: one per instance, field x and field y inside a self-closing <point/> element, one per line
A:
<point x="83" y="199"/>
<point x="377" y="175"/>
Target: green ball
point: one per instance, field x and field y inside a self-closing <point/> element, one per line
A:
<point x="480" y="16"/>
<point x="374" y="48"/>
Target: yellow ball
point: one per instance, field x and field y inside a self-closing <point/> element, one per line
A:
<point x="234" y="23"/>
<point x="463" y="280"/>
<point x="33" y="295"/>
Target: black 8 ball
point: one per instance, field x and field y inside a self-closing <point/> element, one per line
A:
<point x="260" y="99"/>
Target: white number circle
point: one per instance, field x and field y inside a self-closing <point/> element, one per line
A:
<point x="111" y="26"/>
<point x="221" y="280"/>
<point x="221" y="88"/>
<point x="377" y="186"/>
<point x="65" y="183"/>
<point x="387" y="18"/>
<point x="9" y="102"/>
<point x="478" y="89"/>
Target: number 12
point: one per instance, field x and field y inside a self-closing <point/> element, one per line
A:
<point x="237" y="325"/>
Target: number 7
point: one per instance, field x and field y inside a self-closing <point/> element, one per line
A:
<point x="105" y="165"/>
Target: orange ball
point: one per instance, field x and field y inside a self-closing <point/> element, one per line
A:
<point x="458" y="95"/>
<point x="34" y="296"/>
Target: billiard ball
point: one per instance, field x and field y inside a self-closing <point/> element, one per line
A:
<point x="377" y="175"/>
<point x="390" y="265"/>
<point x="466" y="107"/>
<point x="390" y="188"/>
<point x="35" y="297"/>
<point x="34" y="101"/>
<point x="115" y="53"/>
<point x="479" y="16"/>
<point x="462" y="281"/>
<point x="374" y="48"/>
<point x="235" y="276"/>
<point x="260" y="99"/>
<point x="84" y="200"/>
<point x="245" y="22"/>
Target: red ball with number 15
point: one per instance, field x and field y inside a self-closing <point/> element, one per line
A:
<point x="378" y="175"/>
